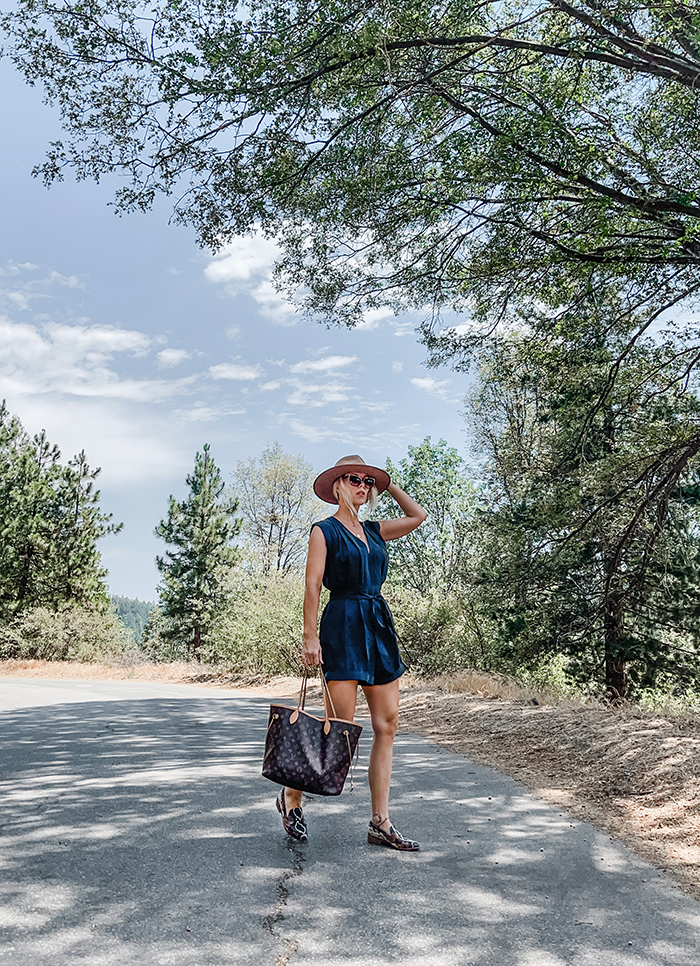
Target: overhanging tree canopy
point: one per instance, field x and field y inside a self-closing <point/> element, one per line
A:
<point x="412" y="152"/>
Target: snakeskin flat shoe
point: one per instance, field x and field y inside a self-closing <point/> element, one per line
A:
<point x="293" y="820"/>
<point x="391" y="839"/>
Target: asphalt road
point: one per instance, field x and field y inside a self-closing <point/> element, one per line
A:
<point x="135" y="828"/>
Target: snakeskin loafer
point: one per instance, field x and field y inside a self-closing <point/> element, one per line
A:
<point x="392" y="839"/>
<point x="293" y="820"/>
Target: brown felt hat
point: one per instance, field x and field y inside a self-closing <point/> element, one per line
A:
<point x="323" y="484"/>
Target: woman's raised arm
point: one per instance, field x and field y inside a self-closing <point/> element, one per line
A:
<point x="414" y="515"/>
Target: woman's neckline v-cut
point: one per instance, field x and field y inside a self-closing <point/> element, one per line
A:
<point x="365" y="542"/>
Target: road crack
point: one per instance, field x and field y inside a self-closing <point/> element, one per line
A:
<point x="272" y="921"/>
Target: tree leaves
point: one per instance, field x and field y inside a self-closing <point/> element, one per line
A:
<point x="200" y="532"/>
<point x="277" y="507"/>
<point x="463" y="154"/>
<point x="588" y="523"/>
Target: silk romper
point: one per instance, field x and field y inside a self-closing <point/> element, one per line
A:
<point x="357" y="634"/>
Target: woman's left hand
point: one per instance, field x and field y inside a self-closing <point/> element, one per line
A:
<point x="311" y="653"/>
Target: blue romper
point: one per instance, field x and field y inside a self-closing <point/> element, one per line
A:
<point x="358" y="640"/>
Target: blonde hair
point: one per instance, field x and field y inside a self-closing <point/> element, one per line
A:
<point x="342" y="491"/>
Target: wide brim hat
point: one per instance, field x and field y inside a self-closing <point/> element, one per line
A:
<point x="323" y="484"/>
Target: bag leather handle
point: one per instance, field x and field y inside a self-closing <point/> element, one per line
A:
<point x="327" y="694"/>
<point x="328" y="705"/>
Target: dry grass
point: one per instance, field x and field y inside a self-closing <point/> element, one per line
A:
<point x="490" y="685"/>
<point x="634" y="773"/>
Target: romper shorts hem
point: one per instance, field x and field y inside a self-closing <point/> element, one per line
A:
<point x="360" y="675"/>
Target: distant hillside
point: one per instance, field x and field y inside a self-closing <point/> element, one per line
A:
<point x="133" y="612"/>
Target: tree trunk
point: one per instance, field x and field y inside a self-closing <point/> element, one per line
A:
<point x="613" y="619"/>
<point x="197" y="642"/>
<point x="615" y="670"/>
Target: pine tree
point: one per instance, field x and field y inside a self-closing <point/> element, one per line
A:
<point x="29" y="468"/>
<point x="50" y="522"/>
<point x="77" y="574"/>
<point x="199" y="532"/>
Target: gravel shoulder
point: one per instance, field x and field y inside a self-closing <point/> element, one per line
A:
<point x="635" y="774"/>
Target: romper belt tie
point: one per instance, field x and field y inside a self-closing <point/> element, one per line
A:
<point x="380" y="609"/>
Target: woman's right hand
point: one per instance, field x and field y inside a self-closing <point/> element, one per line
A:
<point x="311" y="652"/>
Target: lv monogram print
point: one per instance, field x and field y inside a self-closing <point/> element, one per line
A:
<point x="300" y="755"/>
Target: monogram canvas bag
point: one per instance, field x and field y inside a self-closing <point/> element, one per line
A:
<point x="308" y="753"/>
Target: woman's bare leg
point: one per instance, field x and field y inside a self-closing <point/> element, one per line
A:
<point x="344" y="697"/>
<point x="383" y="702"/>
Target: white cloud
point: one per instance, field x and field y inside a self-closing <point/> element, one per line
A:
<point x="314" y="434"/>
<point x="270" y="386"/>
<point x="167" y="358"/>
<point x="13" y="268"/>
<point x="272" y="305"/>
<point x="373" y="318"/>
<point x="435" y="387"/>
<point x="234" y="370"/>
<point x="76" y="360"/>
<point x="397" y="366"/>
<point x="97" y="342"/>
<point x="245" y="266"/>
<point x="318" y="394"/>
<point x="130" y="444"/>
<point x="200" y="412"/>
<point x="378" y="407"/>
<point x="233" y="332"/>
<point x="463" y="328"/>
<point x="352" y="433"/>
<point x="242" y="259"/>
<point x="67" y="281"/>
<point x="18" y="299"/>
<point x="27" y="287"/>
<point x="322" y="365"/>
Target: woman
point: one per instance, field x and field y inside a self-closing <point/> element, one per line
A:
<point x="357" y="643"/>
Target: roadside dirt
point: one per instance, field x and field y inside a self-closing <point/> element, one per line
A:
<point x="636" y="774"/>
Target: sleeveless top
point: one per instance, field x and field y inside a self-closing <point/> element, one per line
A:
<point x="357" y="635"/>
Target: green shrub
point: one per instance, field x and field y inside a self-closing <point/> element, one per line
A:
<point x="160" y="646"/>
<point x="438" y="632"/>
<point x="551" y="675"/>
<point x="259" y="629"/>
<point x="69" y="634"/>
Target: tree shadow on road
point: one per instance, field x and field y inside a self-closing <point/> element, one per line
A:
<point x="141" y="831"/>
<point x="137" y="822"/>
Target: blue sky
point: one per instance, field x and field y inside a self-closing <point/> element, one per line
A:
<point x="121" y="337"/>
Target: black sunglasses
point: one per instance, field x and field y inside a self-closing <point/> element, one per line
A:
<point x="353" y="480"/>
